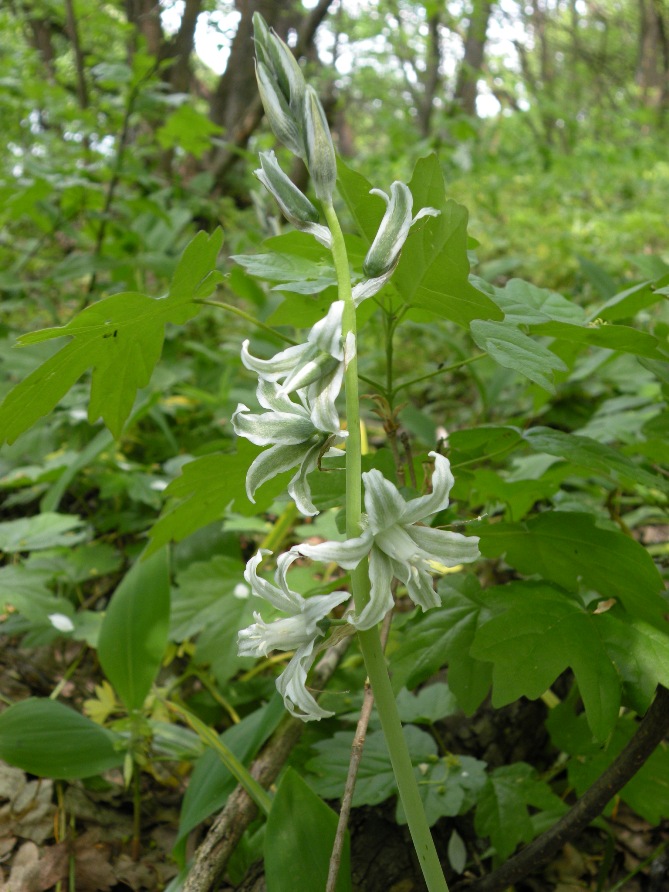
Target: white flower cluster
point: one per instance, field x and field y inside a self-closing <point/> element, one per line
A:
<point x="299" y="387"/>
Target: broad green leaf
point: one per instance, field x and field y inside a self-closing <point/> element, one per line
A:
<point x="293" y="272"/>
<point x="433" y="271"/>
<point x="133" y="637"/>
<point x="367" y="210"/>
<point x="512" y="349"/>
<point x="449" y="786"/>
<point x="628" y="302"/>
<point x="487" y="442"/>
<point x="611" y="337"/>
<point x="299" y="838"/>
<point x="594" y="456"/>
<point x="376" y="781"/>
<point x="431" y="703"/>
<point x="568" y="548"/>
<point x="544" y="632"/>
<point x="502" y="809"/>
<point x="46" y="738"/>
<point x="640" y="653"/>
<point x="647" y="793"/>
<point x="525" y="304"/>
<point x="485" y="486"/>
<point x="205" y="604"/>
<point x="443" y="636"/>
<point x="120" y="338"/>
<point x="211" y="783"/>
<point x="47" y="530"/>
<point x="206" y="487"/>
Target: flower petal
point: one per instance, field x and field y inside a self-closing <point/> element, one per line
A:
<point x="326" y="334"/>
<point x="449" y="549"/>
<point x="425" y="506"/>
<point x="381" y="597"/>
<point x="298" y="488"/>
<point x="282" y="598"/>
<point x="270" y="395"/>
<point x="383" y="502"/>
<point x="347" y="554"/>
<point x="292" y="685"/>
<point x="271" y="462"/>
<point x="278" y="366"/>
<point x="278" y="428"/>
<point x="261" y="638"/>
<point x="321" y="397"/>
<point x="417" y="577"/>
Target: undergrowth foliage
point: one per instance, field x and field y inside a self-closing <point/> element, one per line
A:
<point x="488" y="456"/>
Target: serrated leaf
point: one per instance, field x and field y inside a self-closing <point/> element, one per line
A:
<point x="120" y="338"/>
<point x="443" y="636"/>
<point x="48" y="530"/>
<point x="433" y="272"/>
<point x="594" y="456"/>
<point x="542" y="633"/>
<point x="206" y="487"/>
<point x="512" y="349"/>
<point x="568" y="548"/>
<point x="46" y="738"/>
<point x="133" y="636"/>
<point x="524" y="303"/>
<point x="502" y="809"/>
<point x="376" y="780"/>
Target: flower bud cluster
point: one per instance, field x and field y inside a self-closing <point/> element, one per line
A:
<point x="298" y="389"/>
<point x="293" y="109"/>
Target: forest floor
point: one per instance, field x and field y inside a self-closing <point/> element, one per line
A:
<point x="78" y="836"/>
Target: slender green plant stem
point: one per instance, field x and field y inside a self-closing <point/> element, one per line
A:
<point x="370" y="642"/>
<point x="247" y="317"/>
<point x="440" y="371"/>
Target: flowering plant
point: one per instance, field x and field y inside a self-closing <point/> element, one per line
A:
<point x="300" y="388"/>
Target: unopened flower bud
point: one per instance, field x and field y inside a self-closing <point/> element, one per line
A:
<point x="294" y="204"/>
<point x="385" y="251"/>
<point x="320" y="153"/>
<point x="281" y="119"/>
<point x="280" y="62"/>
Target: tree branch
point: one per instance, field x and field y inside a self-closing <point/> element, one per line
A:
<point x="240" y="810"/>
<point x="649" y="734"/>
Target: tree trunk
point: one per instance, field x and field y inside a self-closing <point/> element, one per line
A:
<point x="466" y="89"/>
<point x="653" y="63"/>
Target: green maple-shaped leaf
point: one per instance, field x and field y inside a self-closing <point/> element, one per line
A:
<point x="205" y="488"/>
<point x="119" y="338"/>
<point x="502" y="808"/>
<point x="544" y="632"/>
<point x="433" y="272"/>
<point x="567" y="548"/>
<point x="443" y="636"/>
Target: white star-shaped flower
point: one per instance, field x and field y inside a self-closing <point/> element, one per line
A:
<point x="399" y="545"/>
<point x="298" y="631"/>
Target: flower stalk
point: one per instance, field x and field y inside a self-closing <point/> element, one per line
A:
<point x="370" y="640"/>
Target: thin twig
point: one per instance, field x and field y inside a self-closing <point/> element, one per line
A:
<point x="353" y="768"/>
<point x="649" y="734"/>
<point x="228" y="828"/>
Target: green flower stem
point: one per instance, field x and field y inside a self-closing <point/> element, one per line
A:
<point x="370" y="642"/>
